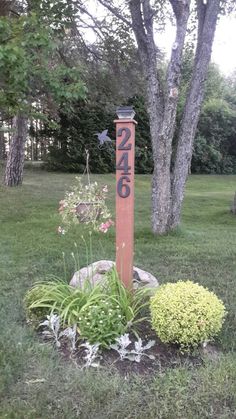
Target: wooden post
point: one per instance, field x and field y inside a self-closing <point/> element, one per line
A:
<point x="125" y="143"/>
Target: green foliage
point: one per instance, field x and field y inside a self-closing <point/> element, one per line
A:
<point x="186" y="313"/>
<point x="35" y="314"/>
<point x="214" y="147"/>
<point x="102" y="312"/>
<point x="143" y="145"/>
<point x="102" y="321"/>
<point x="215" y="150"/>
<point x="76" y="131"/>
<point x="45" y="297"/>
<point x="206" y="158"/>
<point x="31" y="70"/>
<point x="56" y="13"/>
<point x="132" y="304"/>
<point x="59" y="297"/>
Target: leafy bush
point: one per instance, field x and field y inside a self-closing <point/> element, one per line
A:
<point x="214" y="149"/>
<point x="206" y="157"/>
<point x="186" y="313"/>
<point x="109" y="306"/>
<point x="102" y="322"/>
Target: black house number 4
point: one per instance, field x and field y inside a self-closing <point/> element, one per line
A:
<point x="123" y="188"/>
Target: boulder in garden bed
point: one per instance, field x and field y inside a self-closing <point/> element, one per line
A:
<point x="96" y="271"/>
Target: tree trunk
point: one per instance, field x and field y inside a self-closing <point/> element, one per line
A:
<point x="15" y="158"/>
<point x="167" y="188"/>
<point x="161" y="102"/>
<point x="207" y="24"/>
<point x="161" y="190"/>
<point x="2" y="146"/>
<point x="4" y="7"/>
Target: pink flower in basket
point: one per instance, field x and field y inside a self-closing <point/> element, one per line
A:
<point x="61" y="230"/>
<point x="73" y="210"/>
<point x="62" y="205"/>
<point x="105" y="189"/>
<point x="104" y="227"/>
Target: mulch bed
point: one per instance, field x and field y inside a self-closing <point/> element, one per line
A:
<point x="166" y="356"/>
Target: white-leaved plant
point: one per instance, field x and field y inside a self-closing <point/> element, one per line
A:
<point x="70" y="333"/>
<point x="91" y="354"/>
<point x="134" y="354"/>
<point x="53" y="324"/>
<point x="121" y="346"/>
<point x="138" y="351"/>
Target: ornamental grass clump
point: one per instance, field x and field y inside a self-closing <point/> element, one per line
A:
<point x="186" y="313"/>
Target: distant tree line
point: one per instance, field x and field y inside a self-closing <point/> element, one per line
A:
<point x="215" y="143"/>
<point x="61" y="144"/>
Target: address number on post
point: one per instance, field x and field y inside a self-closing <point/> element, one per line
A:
<point x="123" y="188"/>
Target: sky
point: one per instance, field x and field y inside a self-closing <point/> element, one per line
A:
<point x="223" y="53"/>
<point x="224" y="45"/>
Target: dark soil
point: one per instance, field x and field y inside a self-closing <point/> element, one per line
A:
<point x="166" y="356"/>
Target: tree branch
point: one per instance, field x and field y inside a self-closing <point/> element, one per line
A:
<point x="201" y="15"/>
<point x="94" y="20"/>
<point x="137" y="23"/>
<point x="174" y="68"/>
<point x="148" y="15"/>
<point x="178" y="7"/>
<point x="86" y="25"/>
<point x="107" y="4"/>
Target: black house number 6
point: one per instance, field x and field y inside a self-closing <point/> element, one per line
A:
<point x="123" y="188"/>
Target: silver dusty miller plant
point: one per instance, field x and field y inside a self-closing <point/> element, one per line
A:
<point x="53" y="324"/>
<point x="121" y="346"/>
<point x="134" y="354"/>
<point x="70" y="333"/>
<point x="91" y="354"/>
<point x="138" y="351"/>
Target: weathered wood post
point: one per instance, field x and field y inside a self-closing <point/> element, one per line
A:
<point x="125" y="143"/>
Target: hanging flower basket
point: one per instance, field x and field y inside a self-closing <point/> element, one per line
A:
<point x="88" y="211"/>
<point x="85" y="203"/>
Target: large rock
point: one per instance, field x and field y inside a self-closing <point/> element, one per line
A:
<point x="95" y="272"/>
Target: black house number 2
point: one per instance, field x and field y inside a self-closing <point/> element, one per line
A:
<point x="123" y="188"/>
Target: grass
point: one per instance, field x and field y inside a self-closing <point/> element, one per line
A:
<point x="35" y="382"/>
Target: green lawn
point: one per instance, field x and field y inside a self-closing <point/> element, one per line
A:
<point x="35" y="382"/>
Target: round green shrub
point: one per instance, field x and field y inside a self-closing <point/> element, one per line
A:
<point x="186" y="313"/>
